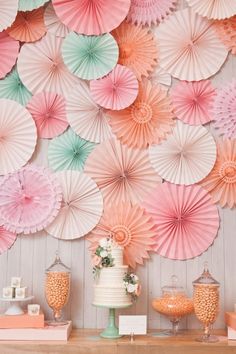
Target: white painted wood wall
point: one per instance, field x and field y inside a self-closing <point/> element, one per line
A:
<point x="31" y="255"/>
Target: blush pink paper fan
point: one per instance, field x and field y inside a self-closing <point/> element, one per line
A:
<point x="49" y="113"/>
<point x="91" y="17"/>
<point x="130" y="227"/>
<point x="122" y="174"/>
<point x="192" y="101"/>
<point x="8" y="11"/>
<point x="226" y="31"/>
<point x="117" y="90"/>
<point x="213" y="9"/>
<point x="53" y="23"/>
<point x="9" y="49"/>
<point x="30" y="199"/>
<point x="7" y="239"/>
<point x="224" y="110"/>
<point x="187" y="220"/>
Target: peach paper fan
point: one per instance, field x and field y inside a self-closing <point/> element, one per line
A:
<point x="9" y="49"/>
<point x="7" y="239"/>
<point x="53" y="23"/>
<point x="214" y="9"/>
<point x="226" y="31"/>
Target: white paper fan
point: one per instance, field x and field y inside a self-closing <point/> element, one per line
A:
<point x="214" y="9"/>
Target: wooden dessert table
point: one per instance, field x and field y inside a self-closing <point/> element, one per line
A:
<point x="83" y="341"/>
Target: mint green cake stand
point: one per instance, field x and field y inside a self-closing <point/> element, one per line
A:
<point x="111" y="332"/>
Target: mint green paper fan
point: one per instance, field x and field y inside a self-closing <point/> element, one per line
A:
<point x="11" y="87"/>
<point x="90" y="57"/>
<point x="69" y="152"/>
<point x="29" y="5"/>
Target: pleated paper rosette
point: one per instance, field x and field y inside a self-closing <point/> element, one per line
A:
<point x="7" y="239"/>
<point x="53" y="23"/>
<point x="8" y="11"/>
<point x="90" y="57"/>
<point x="17" y="136"/>
<point x="226" y="31"/>
<point x="48" y="110"/>
<point x="82" y="206"/>
<point x="29" y="5"/>
<point x="193" y="101"/>
<point x="214" y="9"/>
<point x="9" y="50"/>
<point x="86" y="118"/>
<point x="131" y="228"/>
<point x="117" y="90"/>
<point x="69" y="152"/>
<point x="121" y="173"/>
<point x="41" y="67"/>
<point x="91" y="17"/>
<point x="187" y="221"/>
<point x="186" y="157"/>
<point x="189" y="47"/>
<point x="30" y="199"/>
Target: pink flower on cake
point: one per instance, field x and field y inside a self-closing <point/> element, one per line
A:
<point x="138" y="290"/>
<point x="96" y="260"/>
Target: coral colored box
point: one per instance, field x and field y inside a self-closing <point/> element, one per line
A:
<point x="230" y="319"/>
<point x="22" y="321"/>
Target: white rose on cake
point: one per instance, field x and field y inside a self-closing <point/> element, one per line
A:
<point x="103" y="242"/>
<point x="131" y="288"/>
<point x="103" y="254"/>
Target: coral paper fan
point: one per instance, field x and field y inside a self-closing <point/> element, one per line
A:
<point x="187" y="221"/>
<point x="148" y="120"/>
<point x="224" y="110"/>
<point x="144" y="12"/>
<point x="28" y="26"/>
<point x="221" y="182"/>
<point x="130" y="227"/>
<point x="189" y="47"/>
<point x="9" y="50"/>
<point x="117" y="90"/>
<point x="49" y="113"/>
<point x="82" y="206"/>
<point x="213" y="9"/>
<point x="29" y="5"/>
<point x="86" y="118"/>
<point x="17" y="136"/>
<point x="186" y="157"/>
<point x="137" y="49"/>
<point x="41" y="67"/>
<point x="30" y="199"/>
<point x="192" y="101"/>
<point x="53" y="24"/>
<point x="7" y="239"/>
<point x="122" y="174"/>
<point x="91" y="17"/>
<point x="226" y="31"/>
<point x="8" y="11"/>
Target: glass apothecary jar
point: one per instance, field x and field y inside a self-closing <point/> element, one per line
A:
<point x="57" y="289"/>
<point x="173" y="303"/>
<point x="206" y="303"/>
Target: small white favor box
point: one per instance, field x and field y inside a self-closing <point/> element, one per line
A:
<point x="8" y="292"/>
<point x="21" y="293"/>
<point x="231" y="333"/>
<point x="15" y="282"/>
<point x="33" y="309"/>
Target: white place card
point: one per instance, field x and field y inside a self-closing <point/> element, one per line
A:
<point x="132" y="325"/>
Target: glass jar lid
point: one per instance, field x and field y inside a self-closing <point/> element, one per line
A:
<point x="174" y="288"/>
<point x="206" y="277"/>
<point x="58" y="266"/>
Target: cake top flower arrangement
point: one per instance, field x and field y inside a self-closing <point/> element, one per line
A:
<point x="102" y="256"/>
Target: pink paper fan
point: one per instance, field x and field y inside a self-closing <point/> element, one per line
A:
<point x="9" y="49"/>
<point x="8" y="11"/>
<point x="91" y="17"/>
<point x="224" y="110"/>
<point x="30" y="199"/>
<point x="49" y="113"/>
<point x="53" y="23"/>
<point x="7" y="239"/>
<point x="192" y="101"/>
<point x="117" y="90"/>
<point x="213" y="9"/>
<point x="187" y="220"/>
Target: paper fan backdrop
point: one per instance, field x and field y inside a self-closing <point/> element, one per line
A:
<point x="137" y="49"/>
<point x="148" y="120"/>
<point x="48" y="110"/>
<point x="226" y="31"/>
<point x="189" y="47"/>
<point x="91" y="17"/>
<point x="7" y="239"/>
<point x="122" y="174"/>
<point x="11" y="87"/>
<point x="41" y="67"/>
<point x="17" y="136"/>
<point x="192" y="101"/>
<point x="30" y="199"/>
<point x="131" y="228"/>
<point x="214" y="9"/>
<point x="29" y="5"/>
<point x="160" y="76"/>
<point x="53" y="23"/>
<point x="143" y="12"/>
<point x="86" y="118"/>
<point x="8" y="11"/>
<point x="117" y="90"/>
<point x="224" y="110"/>
<point x="69" y="152"/>
<point x="90" y="57"/>
<point x="221" y="182"/>
<point x="9" y="50"/>
<point x="186" y="157"/>
<point x="82" y="206"/>
<point x="28" y="26"/>
<point x="187" y="221"/>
